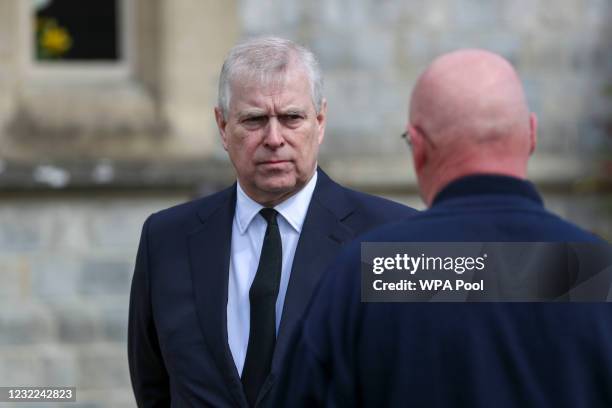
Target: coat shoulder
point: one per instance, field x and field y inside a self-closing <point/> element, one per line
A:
<point x="379" y="206"/>
<point x="369" y="211"/>
<point x="190" y="214"/>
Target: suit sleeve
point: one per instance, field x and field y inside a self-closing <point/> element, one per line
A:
<point x="147" y="370"/>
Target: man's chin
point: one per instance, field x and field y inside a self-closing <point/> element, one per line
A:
<point x="280" y="187"/>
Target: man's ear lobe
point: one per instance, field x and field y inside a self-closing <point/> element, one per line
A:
<point x="417" y="144"/>
<point x="533" y="132"/>
<point x="221" y="124"/>
<point x="322" y="119"/>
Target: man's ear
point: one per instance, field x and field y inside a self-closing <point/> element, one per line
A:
<point x="419" y="151"/>
<point x="322" y="120"/>
<point x="533" y="132"/>
<point x="221" y="124"/>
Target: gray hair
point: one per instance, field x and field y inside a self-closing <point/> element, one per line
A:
<point x="264" y="58"/>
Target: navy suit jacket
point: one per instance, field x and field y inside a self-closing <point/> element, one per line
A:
<point x="477" y="355"/>
<point x="177" y="338"/>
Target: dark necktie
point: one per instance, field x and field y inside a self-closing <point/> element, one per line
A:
<point x="262" y="297"/>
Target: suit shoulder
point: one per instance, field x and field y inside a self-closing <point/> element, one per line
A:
<point x="185" y="214"/>
<point x="367" y="211"/>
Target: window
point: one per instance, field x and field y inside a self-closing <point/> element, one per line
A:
<point x="74" y="30"/>
<point x="78" y="39"/>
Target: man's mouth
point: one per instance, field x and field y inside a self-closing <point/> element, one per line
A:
<point x="273" y="162"/>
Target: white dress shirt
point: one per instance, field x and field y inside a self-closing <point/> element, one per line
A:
<point x="248" y="230"/>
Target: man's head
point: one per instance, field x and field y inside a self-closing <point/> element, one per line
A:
<point x="271" y="115"/>
<point x="468" y="115"/>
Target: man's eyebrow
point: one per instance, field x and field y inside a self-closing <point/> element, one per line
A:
<point x="293" y="111"/>
<point x="245" y="114"/>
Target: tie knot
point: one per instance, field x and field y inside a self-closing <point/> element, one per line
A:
<point x="269" y="215"/>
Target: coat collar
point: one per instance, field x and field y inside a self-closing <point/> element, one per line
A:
<point x="322" y="235"/>
<point x="488" y="184"/>
<point x="209" y="255"/>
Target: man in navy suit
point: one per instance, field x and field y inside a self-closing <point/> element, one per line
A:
<point x="471" y="135"/>
<point x="221" y="282"/>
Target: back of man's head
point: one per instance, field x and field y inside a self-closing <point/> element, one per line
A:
<point x="468" y="115"/>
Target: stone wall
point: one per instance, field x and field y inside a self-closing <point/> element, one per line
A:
<point x="66" y="263"/>
<point x="83" y="163"/>
<point x="372" y="52"/>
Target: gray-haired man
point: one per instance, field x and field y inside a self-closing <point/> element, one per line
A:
<point x="221" y="282"/>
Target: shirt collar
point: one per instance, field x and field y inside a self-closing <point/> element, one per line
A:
<point x="293" y="209"/>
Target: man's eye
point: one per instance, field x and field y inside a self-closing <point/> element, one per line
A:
<point x="255" y="120"/>
<point x="291" y="118"/>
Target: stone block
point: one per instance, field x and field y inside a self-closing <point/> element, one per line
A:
<point x="103" y="367"/>
<point x="116" y="224"/>
<point x="78" y="115"/>
<point x="597" y="13"/>
<point x="77" y="321"/>
<point x="25" y="323"/>
<point x="55" y="275"/>
<point x="520" y="16"/>
<point x="115" y="397"/>
<point x="564" y="15"/>
<point x="356" y="49"/>
<point x="373" y="49"/>
<point x="20" y="367"/>
<point x="44" y="224"/>
<point x="196" y="37"/>
<point x="590" y="52"/>
<point x="474" y="14"/>
<point x="8" y="32"/>
<point x="15" y="274"/>
<point x="593" y="138"/>
<point x="38" y="366"/>
<point x="532" y="87"/>
<point x="387" y="13"/>
<point x="505" y="43"/>
<point x="101" y="276"/>
<point x="67" y="229"/>
<point x="18" y="230"/>
<point x="114" y="318"/>
<point x="269" y="16"/>
<point x="334" y="54"/>
<point x="419" y="47"/>
<point x="348" y="99"/>
<point x="345" y="14"/>
<point x="426" y="15"/>
<point x="366" y="114"/>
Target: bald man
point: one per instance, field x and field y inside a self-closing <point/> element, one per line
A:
<point x="471" y="135"/>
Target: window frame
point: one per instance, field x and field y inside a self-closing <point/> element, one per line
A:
<point x="76" y="72"/>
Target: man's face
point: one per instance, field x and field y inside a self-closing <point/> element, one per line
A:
<point x="272" y="134"/>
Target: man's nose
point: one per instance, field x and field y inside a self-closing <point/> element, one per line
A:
<point x="273" y="133"/>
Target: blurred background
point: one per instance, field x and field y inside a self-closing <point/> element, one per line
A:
<point x="106" y="115"/>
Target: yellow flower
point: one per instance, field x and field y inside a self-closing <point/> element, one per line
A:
<point x="56" y="40"/>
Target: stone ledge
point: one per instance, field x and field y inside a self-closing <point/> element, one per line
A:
<point x="396" y="173"/>
<point x="379" y="174"/>
<point x="62" y="175"/>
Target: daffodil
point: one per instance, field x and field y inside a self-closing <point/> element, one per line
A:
<point x="53" y="40"/>
<point x="56" y="40"/>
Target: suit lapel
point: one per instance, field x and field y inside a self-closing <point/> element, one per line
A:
<point x="322" y="236"/>
<point x="209" y="254"/>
